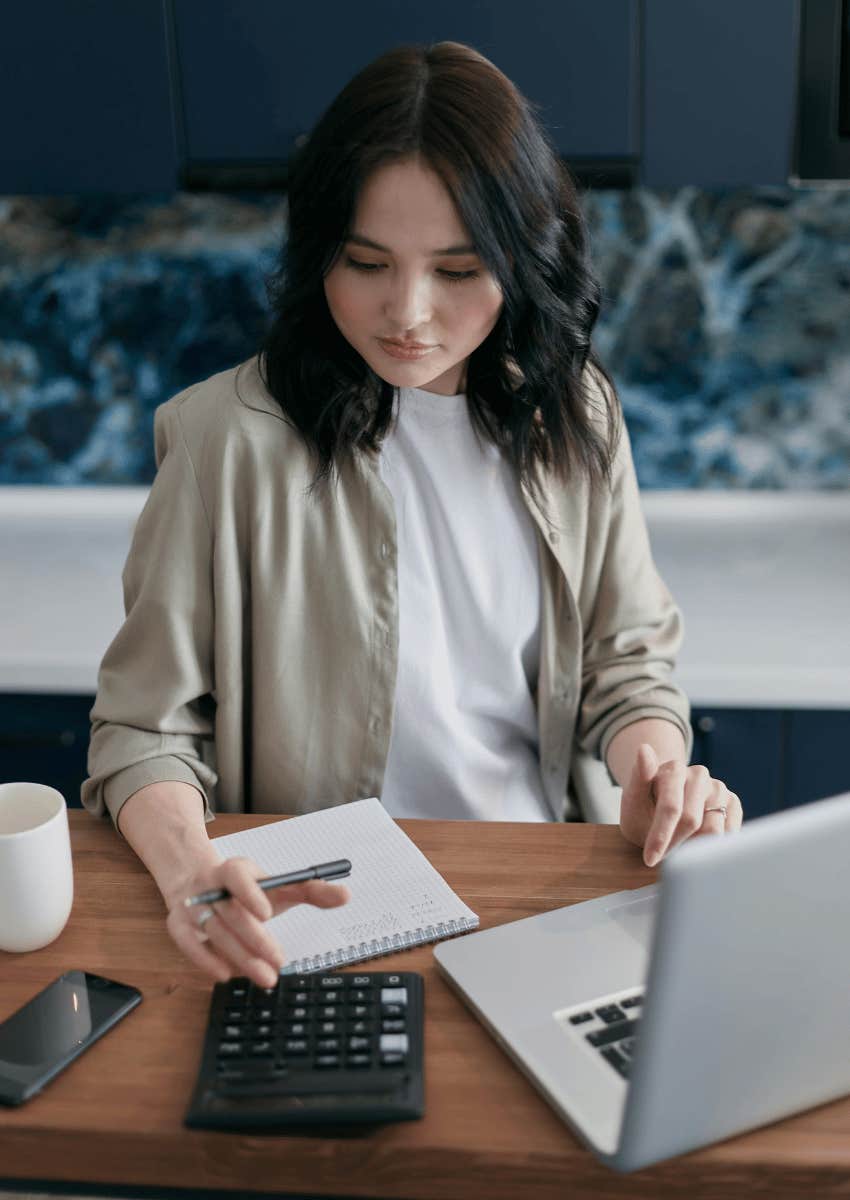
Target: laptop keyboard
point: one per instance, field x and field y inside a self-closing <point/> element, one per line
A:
<point x="609" y="1027"/>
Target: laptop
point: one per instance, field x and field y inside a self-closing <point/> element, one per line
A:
<point x="661" y="1019"/>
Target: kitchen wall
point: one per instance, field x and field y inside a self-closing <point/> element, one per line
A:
<point x="726" y="325"/>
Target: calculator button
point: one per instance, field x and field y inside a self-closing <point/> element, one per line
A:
<point x="301" y="982"/>
<point x="394" y="1043"/>
<point x="392" y="981"/>
<point x="393" y="1059"/>
<point x="230" y="1049"/>
<point x="393" y="1010"/>
<point x="359" y="1010"/>
<point x="328" y="982"/>
<point x="394" y="995"/>
<point x="360" y="1027"/>
<point x="263" y="1014"/>
<point x="393" y="1026"/>
<point x="261" y="1048"/>
<point x="235" y="1014"/>
<point x="327" y="1060"/>
<point x="326" y="1044"/>
<point x="238" y="990"/>
<point x="328" y="1011"/>
<point x="295" y="1046"/>
<point x="297" y="997"/>
<point x="232" y="1031"/>
<point x="358" y="1043"/>
<point x="297" y="1013"/>
<point x="263" y="1031"/>
<point x="359" y="1060"/>
<point x="361" y="981"/>
<point x="360" y="995"/>
<point x="296" y="1029"/>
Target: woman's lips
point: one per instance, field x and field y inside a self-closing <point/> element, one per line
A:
<point x="395" y="350"/>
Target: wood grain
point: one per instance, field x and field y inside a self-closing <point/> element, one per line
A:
<point x="115" y="1116"/>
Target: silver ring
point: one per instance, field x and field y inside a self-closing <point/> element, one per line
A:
<point x="206" y="914"/>
<point x="721" y="808"/>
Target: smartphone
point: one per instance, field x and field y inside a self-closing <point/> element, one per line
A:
<point x="55" y="1027"/>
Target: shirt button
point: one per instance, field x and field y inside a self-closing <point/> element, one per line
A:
<point x="384" y="550"/>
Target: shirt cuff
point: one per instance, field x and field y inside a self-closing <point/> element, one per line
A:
<point x="121" y="786"/>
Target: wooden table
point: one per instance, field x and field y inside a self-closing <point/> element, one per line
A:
<point x="113" y="1122"/>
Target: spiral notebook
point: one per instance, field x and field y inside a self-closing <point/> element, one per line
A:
<point x="397" y="898"/>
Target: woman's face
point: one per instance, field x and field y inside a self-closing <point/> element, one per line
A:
<point x="408" y="274"/>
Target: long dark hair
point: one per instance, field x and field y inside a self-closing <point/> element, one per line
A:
<point x="526" y="383"/>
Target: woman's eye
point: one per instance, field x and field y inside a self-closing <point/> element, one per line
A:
<point x="362" y="266"/>
<point x="370" y="267"/>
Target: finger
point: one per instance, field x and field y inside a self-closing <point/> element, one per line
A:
<point x="699" y="793"/>
<point x="644" y="771"/>
<point x="253" y="934"/>
<point x="315" y="891"/>
<point x="239" y="876"/>
<point x="669" y="787"/>
<point x="187" y="940"/>
<point x="240" y="957"/>
<point x="734" y="812"/>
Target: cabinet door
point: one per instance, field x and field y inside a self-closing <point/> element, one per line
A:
<point x="718" y="92"/>
<point x="256" y="75"/>
<point x="817" y="755"/>
<point x="743" y="747"/>
<point x="45" y="739"/>
<point x="84" y="97"/>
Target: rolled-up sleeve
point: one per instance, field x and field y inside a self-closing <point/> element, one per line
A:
<point x="633" y="629"/>
<point x="153" y="716"/>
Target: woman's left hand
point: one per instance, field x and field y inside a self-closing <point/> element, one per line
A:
<point x="665" y="803"/>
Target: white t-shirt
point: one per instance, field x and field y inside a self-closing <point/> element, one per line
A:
<point x="464" y="739"/>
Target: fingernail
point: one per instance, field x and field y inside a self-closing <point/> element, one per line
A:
<point x="651" y="858"/>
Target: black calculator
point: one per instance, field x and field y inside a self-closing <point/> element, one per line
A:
<point x="315" y="1049"/>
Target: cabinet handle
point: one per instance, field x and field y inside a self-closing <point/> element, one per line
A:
<point x="705" y="724"/>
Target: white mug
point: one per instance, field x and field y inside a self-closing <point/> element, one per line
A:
<point x="36" y="878"/>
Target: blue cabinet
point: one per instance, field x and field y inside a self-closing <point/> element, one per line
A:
<point x="45" y="739"/>
<point x="774" y="758"/>
<point x="148" y="95"/>
<point x="255" y="76"/>
<point x="718" y="92"/>
<point x="817" y="758"/>
<point x="743" y="747"/>
<point x="85" y="98"/>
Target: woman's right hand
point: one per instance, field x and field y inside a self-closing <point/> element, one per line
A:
<point x="235" y="941"/>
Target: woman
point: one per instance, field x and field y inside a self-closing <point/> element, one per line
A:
<point x="399" y="552"/>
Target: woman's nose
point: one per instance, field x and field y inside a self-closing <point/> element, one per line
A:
<point x="408" y="302"/>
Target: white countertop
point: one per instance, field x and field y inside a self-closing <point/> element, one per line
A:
<point x="763" y="579"/>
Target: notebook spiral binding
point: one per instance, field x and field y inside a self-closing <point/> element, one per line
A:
<point x="378" y="946"/>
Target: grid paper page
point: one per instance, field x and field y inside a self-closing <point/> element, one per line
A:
<point x="397" y="897"/>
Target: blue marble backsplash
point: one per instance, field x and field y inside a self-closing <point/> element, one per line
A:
<point x="726" y="325"/>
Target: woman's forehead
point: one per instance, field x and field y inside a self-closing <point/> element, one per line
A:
<point x="407" y="206"/>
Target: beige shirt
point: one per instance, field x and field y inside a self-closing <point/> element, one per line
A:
<point x="258" y="657"/>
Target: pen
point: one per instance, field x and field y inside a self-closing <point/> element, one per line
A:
<point x="328" y="870"/>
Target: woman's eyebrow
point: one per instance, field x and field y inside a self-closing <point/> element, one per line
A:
<point x="359" y="240"/>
